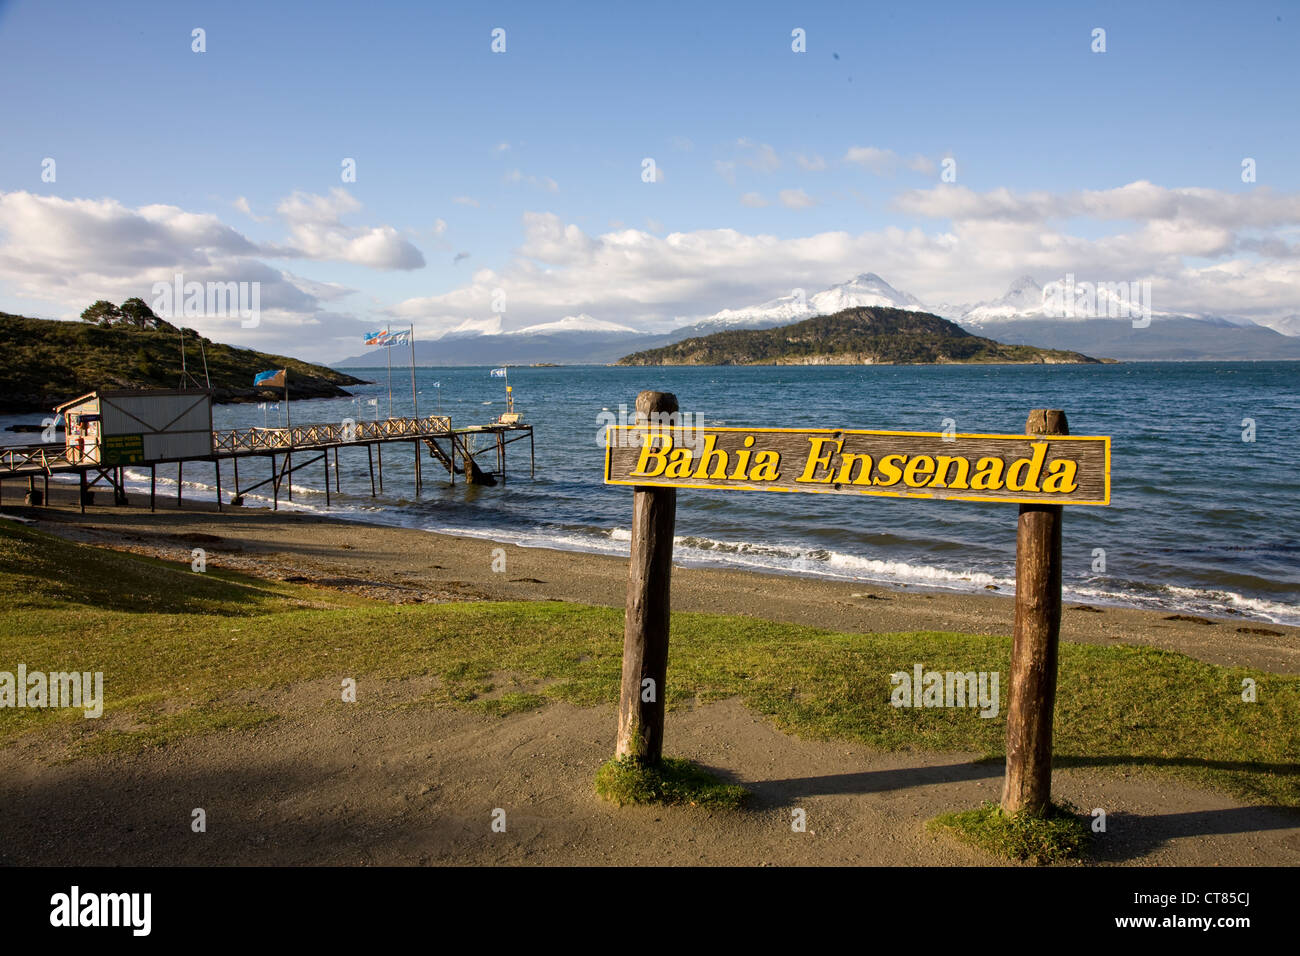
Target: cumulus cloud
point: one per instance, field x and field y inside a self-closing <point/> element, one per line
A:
<point x="69" y="252"/>
<point x="317" y="232"/>
<point x="639" y="278"/>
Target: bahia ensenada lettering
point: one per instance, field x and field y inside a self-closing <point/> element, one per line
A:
<point x="825" y="462"/>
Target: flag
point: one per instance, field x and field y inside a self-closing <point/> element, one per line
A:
<point x="373" y="401"/>
<point x="437" y="384"/>
<point x="498" y="373"/>
<point x="376" y="338"/>
<point x="397" y="338"/>
<point x="272" y="379"/>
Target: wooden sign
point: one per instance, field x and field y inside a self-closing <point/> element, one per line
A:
<point x="1057" y="469"/>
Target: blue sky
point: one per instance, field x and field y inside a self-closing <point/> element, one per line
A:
<point x="817" y="165"/>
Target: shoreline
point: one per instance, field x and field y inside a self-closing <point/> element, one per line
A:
<point x="402" y="564"/>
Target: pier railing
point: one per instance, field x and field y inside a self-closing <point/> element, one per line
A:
<point x="34" y="458"/>
<point x="332" y="433"/>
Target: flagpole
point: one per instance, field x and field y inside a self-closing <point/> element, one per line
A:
<point x="389" y="350"/>
<point x="415" y="401"/>
<point x="287" y="418"/>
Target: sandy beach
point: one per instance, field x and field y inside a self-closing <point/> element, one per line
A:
<point x="403" y="564"/>
<point x="388" y="784"/>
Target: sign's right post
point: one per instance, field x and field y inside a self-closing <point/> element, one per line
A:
<point x="1028" y="783"/>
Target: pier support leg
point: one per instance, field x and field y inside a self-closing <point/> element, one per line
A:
<point x="153" y="487"/>
<point x="81" y="490"/>
<point x="416" y="446"/>
<point x="336" y="470"/>
<point x="379" y="453"/>
<point x="180" y="481"/>
<point x="288" y="463"/>
<point x="217" y="464"/>
<point x="325" y="459"/>
<point x="275" y="485"/>
<point x="370" y="460"/>
<point x="532" y="456"/>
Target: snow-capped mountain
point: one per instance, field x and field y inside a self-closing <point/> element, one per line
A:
<point x="1024" y="297"/>
<point x="863" y="291"/>
<point x="490" y="326"/>
<point x="573" y="323"/>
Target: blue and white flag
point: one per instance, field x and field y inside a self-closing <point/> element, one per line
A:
<point x="397" y="338"/>
<point x="498" y="373"/>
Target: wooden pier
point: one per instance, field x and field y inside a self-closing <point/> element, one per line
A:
<point x="456" y="450"/>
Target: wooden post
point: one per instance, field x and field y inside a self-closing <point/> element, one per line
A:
<point x="1032" y="695"/>
<point x="237" y="500"/>
<point x="153" y="486"/>
<point x="82" y="490"/>
<point x="288" y="463"/>
<point x="370" y="460"/>
<point x="645" y="627"/>
<point x="217" y="464"/>
<point x="416" y="445"/>
<point x="379" y="454"/>
<point x="180" y="472"/>
<point x="325" y="457"/>
<point x="275" y="485"/>
<point x="336" y="470"/>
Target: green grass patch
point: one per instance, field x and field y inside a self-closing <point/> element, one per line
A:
<point x="1058" y="836"/>
<point x="171" y="641"/>
<point x="674" y="781"/>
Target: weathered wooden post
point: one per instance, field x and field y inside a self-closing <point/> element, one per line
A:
<point x="1028" y="782"/>
<point x="645" y="627"/>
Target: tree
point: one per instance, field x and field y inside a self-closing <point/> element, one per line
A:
<point x="102" y="312"/>
<point x="139" y="314"/>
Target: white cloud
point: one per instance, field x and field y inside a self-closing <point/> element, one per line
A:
<point x="814" y="163"/>
<point x="884" y="162"/>
<point x="465" y="201"/>
<point x="649" y="280"/>
<point x="439" y="226"/>
<point x="317" y="232"/>
<point x="242" y="205"/>
<point x="69" y="252"/>
<point x="753" y="200"/>
<point x="796" y="199"/>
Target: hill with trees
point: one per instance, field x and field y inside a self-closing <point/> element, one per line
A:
<point x="862" y="336"/>
<point x="44" y="362"/>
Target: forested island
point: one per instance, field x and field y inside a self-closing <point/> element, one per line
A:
<point x="864" y="336"/>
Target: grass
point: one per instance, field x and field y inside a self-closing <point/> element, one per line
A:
<point x="185" y="653"/>
<point x="674" y="781"/>
<point x="1058" y="836"/>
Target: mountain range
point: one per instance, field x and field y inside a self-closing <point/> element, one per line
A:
<point x="1021" y="316"/>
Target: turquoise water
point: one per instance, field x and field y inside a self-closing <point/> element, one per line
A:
<point x="1200" y="520"/>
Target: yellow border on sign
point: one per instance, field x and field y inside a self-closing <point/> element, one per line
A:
<point x="610" y="429"/>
